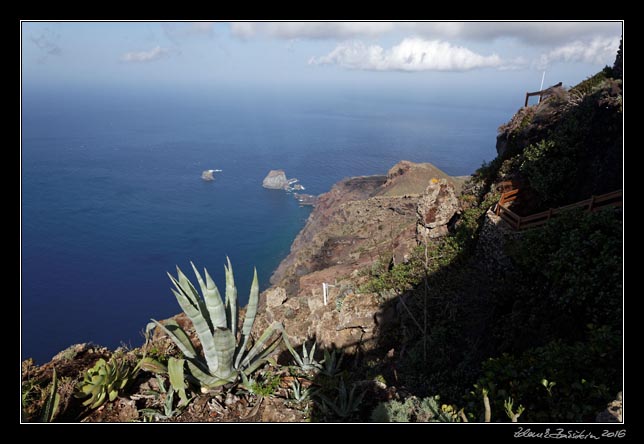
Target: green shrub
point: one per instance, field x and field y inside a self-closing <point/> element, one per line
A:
<point x="414" y="410"/>
<point x="573" y="267"/>
<point x="549" y="167"/>
<point x="557" y="382"/>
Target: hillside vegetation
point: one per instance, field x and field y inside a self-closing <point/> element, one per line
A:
<point x="531" y="318"/>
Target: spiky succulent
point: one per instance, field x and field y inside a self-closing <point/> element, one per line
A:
<point x="299" y="393"/>
<point x="332" y="365"/>
<point x="345" y="402"/>
<point x="225" y="353"/>
<point x="307" y="362"/>
<point x="53" y="400"/>
<point x="104" y="381"/>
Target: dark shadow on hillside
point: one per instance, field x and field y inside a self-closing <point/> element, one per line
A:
<point x="436" y="338"/>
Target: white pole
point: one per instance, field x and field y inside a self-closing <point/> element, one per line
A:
<point x="325" y="290"/>
<point x="542" y="78"/>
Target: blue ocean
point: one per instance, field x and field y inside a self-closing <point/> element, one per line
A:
<point x="112" y="196"/>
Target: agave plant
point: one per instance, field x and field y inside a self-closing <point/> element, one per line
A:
<point x="307" y="362"/>
<point x="345" y="403"/>
<point x="104" y="381"/>
<point x="225" y="353"/>
<point x="331" y="362"/>
<point x="299" y="393"/>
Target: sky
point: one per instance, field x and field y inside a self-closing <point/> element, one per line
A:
<point x="295" y="56"/>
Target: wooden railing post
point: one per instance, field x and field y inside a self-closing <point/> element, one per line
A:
<point x="549" y="213"/>
<point x="590" y="206"/>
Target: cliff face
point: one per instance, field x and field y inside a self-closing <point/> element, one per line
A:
<point x="360" y="222"/>
<point x="362" y="218"/>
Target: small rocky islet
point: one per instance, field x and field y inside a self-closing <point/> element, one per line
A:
<point x="277" y="180"/>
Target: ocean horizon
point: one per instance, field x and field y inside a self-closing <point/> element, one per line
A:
<point x="112" y="196"/>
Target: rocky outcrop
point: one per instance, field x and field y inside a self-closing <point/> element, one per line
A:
<point x="436" y="209"/>
<point x="613" y="412"/>
<point x="408" y="178"/>
<point x="208" y="175"/>
<point x="275" y="180"/>
<point x="359" y="222"/>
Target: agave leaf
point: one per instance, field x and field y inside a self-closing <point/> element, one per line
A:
<point x="279" y="327"/>
<point x="204" y="378"/>
<point x="263" y="339"/>
<point x="197" y="303"/>
<point x="231" y="298"/>
<point x="262" y="358"/>
<point x="196" y="316"/>
<point x="190" y="299"/>
<point x="215" y="307"/>
<point x="225" y="350"/>
<point x="251" y="308"/>
<point x="189" y="289"/>
<point x="113" y="395"/>
<point x="249" y="320"/>
<point x="179" y="337"/>
<point x="53" y="400"/>
<point x="152" y="365"/>
<point x="177" y="383"/>
<point x="168" y="402"/>
<point x="201" y="326"/>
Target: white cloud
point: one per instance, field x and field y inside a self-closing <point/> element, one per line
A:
<point x="536" y="33"/>
<point x="598" y="51"/>
<point x="533" y="33"/>
<point x="412" y="54"/>
<point x="145" y="56"/>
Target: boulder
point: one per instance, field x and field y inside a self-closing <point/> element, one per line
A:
<point x="275" y="180"/>
<point x="436" y="208"/>
<point x="275" y="296"/>
<point x="359" y="311"/>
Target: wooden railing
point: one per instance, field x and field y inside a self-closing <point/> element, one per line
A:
<point x="517" y="222"/>
<point x="541" y="94"/>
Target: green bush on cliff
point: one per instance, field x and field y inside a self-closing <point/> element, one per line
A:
<point x="549" y="167"/>
<point x="569" y="273"/>
<point x="414" y="409"/>
<point x="558" y="382"/>
<point x="581" y="154"/>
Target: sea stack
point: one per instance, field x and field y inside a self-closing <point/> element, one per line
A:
<point x="276" y="180"/>
<point x="208" y="175"/>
